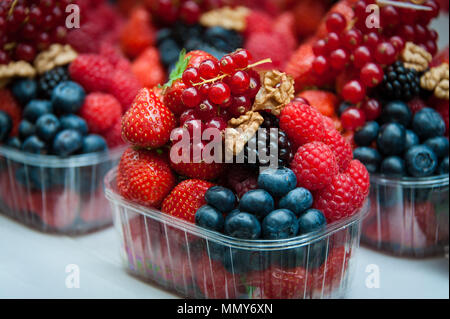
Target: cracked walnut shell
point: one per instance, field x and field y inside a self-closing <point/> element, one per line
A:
<point x="226" y="17"/>
<point x="241" y="130"/>
<point x="437" y="80"/>
<point x="415" y="57"/>
<point x="56" y="55"/>
<point x="276" y="91"/>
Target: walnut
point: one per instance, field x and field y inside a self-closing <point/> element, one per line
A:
<point x="415" y="57"/>
<point x="240" y="131"/>
<point x="16" y="69"/>
<point x="56" y="55"/>
<point x="226" y="17"/>
<point x="277" y="90"/>
<point x="436" y="79"/>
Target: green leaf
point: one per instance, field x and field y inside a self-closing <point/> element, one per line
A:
<point x="180" y="67"/>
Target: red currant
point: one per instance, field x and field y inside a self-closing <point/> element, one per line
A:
<point x="191" y="97"/>
<point x="408" y="16"/>
<point x="371" y="74"/>
<point x="209" y="69"/>
<point x="338" y="59"/>
<point x="219" y="93"/>
<point x="206" y="110"/>
<point x="255" y="84"/>
<point x="351" y="39"/>
<point x="167" y="10"/>
<point x="239" y="82"/>
<point x="421" y="34"/>
<point x="353" y="118"/>
<point x="193" y="127"/>
<point x="406" y="32"/>
<point x="320" y="64"/>
<point x="389" y="16"/>
<point x="385" y="53"/>
<point x="177" y="135"/>
<point x="320" y="47"/>
<point x="204" y="90"/>
<point x="336" y="22"/>
<point x="191" y="76"/>
<point x="241" y="105"/>
<point x="431" y="47"/>
<point x="302" y="100"/>
<point x="217" y="123"/>
<point x="371" y="40"/>
<point x="227" y="65"/>
<point x="190" y="12"/>
<point x="372" y="109"/>
<point x="333" y="41"/>
<point x="25" y="52"/>
<point x="397" y="42"/>
<point x="242" y="58"/>
<point x="361" y="56"/>
<point x="187" y="115"/>
<point x="354" y="91"/>
<point x="4" y="57"/>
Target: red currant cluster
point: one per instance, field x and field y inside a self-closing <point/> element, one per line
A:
<point x="353" y="117"/>
<point x="219" y="90"/>
<point x="354" y="47"/>
<point x="30" y="26"/>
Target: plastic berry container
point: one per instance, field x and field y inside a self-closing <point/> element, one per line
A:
<point x="194" y="262"/>
<point x="408" y="217"/>
<point x="56" y="195"/>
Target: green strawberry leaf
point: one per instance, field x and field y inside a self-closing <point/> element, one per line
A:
<point x="180" y="67"/>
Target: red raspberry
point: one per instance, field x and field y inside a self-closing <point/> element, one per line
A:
<point x="100" y="111"/>
<point x="258" y="43"/>
<point x="92" y="71"/>
<point x="10" y="106"/>
<point x="358" y="172"/>
<point x="416" y="104"/>
<point x="124" y="86"/>
<point x="302" y="123"/>
<point x="114" y="135"/>
<point x="242" y="180"/>
<point x="85" y="39"/>
<point x="314" y="165"/>
<point x="115" y="57"/>
<point x="339" y="199"/>
<point x="258" y="21"/>
<point x="339" y="145"/>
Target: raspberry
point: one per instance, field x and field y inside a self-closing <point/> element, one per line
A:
<point x="284" y="25"/>
<point x="416" y="104"/>
<point x="339" y="145"/>
<point x="302" y="123"/>
<point x="242" y="180"/>
<point x="358" y="172"/>
<point x="100" y="111"/>
<point x="258" y="43"/>
<point x="339" y="199"/>
<point x="314" y="165"/>
<point x="85" y="39"/>
<point x="124" y="86"/>
<point x="114" y="56"/>
<point x="92" y="71"/>
<point x="10" y="106"/>
<point x="113" y="136"/>
<point x="258" y="21"/>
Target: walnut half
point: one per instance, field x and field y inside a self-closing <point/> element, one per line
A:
<point x="415" y="57"/>
<point x="226" y="17"/>
<point x="437" y="80"/>
<point x="55" y="55"/>
<point x="16" y="69"/>
<point x="240" y="131"/>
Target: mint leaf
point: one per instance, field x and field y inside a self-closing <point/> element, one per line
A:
<point x="180" y="67"/>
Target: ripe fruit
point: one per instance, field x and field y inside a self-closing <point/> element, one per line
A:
<point x="172" y="97"/>
<point x="354" y="91"/>
<point x="137" y="34"/>
<point x="92" y="71"/>
<point x="353" y="118"/>
<point x="100" y="111"/>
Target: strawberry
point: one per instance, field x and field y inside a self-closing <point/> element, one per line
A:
<point x="308" y="14"/>
<point x="148" y="69"/>
<point x="172" y="97"/>
<point x="196" y="57"/>
<point x="148" y="123"/>
<point x="324" y="101"/>
<point x="186" y="198"/>
<point x="9" y="105"/>
<point x="138" y="33"/>
<point x="144" y="177"/>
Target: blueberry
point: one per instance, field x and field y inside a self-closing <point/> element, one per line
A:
<point x="242" y="225"/>
<point x="367" y="134"/>
<point x="257" y="202"/>
<point x="93" y="143"/>
<point x="170" y="51"/>
<point x="393" y="166"/>
<point x="26" y="129"/>
<point x="391" y="139"/>
<point x="277" y="182"/>
<point x="14" y="142"/>
<point x="397" y="112"/>
<point x="310" y="221"/>
<point x="439" y="145"/>
<point x="241" y="261"/>
<point x="5" y="126"/>
<point x="421" y="161"/>
<point x="39" y="178"/>
<point x="370" y="157"/>
<point x="47" y="126"/>
<point x="311" y="256"/>
<point x="280" y="224"/>
<point x="68" y="97"/>
<point x="297" y="200"/>
<point x="67" y="142"/>
<point x="35" y="145"/>
<point x="221" y="198"/>
<point x="35" y="109"/>
<point x="162" y="35"/>
<point x="428" y="123"/>
<point x="223" y="39"/>
<point x="74" y="122"/>
<point x="411" y="139"/>
<point x="210" y="218"/>
<point x="25" y="90"/>
<point x="443" y="167"/>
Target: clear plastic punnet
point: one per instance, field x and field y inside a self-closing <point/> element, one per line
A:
<point x="197" y="263"/>
<point x="56" y="195"/>
<point x="409" y="216"/>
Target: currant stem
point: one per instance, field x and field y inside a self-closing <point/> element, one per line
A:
<point x="416" y="5"/>
<point x="13" y="5"/>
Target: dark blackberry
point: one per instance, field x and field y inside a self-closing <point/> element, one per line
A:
<point x="270" y="120"/>
<point x="400" y="83"/>
<point x="261" y="147"/>
<point x="50" y="79"/>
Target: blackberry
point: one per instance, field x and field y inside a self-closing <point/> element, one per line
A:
<point x="270" y="120"/>
<point x="50" y="79"/>
<point x="400" y="83"/>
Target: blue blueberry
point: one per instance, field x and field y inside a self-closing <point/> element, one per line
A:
<point x="257" y="202"/>
<point x="310" y="221"/>
<point x="421" y="161"/>
<point x="35" y="109"/>
<point x="277" y="182"/>
<point x="223" y="39"/>
<point x="397" y="112"/>
<point x="163" y="34"/>
<point x="221" y="198"/>
<point x="411" y="139"/>
<point x="297" y="200"/>
<point x="35" y="145"/>
<point x="67" y="142"/>
<point x="210" y="218"/>
<point x="14" y="142"/>
<point x="242" y="225"/>
<point x="428" y="123"/>
<point x="280" y="224"/>
<point x="25" y="90"/>
<point x="93" y="143"/>
<point x="370" y="157"/>
<point x="26" y="129"/>
<point x="439" y="145"/>
<point x="393" y="166"/>
<point x="68" y="97"/>
<point x="443" y="167"/>
<point x="47" y="126"/>
<point x="5" y="126"/>
<point x="367" y="134"/>
<point x="169" y="50"/>
<point x="391" y="139"/>
<point x="74" y="122"/>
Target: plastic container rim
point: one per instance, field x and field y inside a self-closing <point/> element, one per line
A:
<point x="247" y="244"/>
<point x="411" y="182"/>
<point x="58" y="162"/>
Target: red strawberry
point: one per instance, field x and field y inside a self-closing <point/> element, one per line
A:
<point x="148" y="69"/>
<point x="92" y="71"/>
<point x="113" y="136"/>
<point x="9" y="105"/>
<point x="172" y="97"/>
<point x="138" y="33"/>
<point x="196" y="57"/>
<point x="308" y="14"/>
<point x="148" y="123"/>
<point x="100" y="111"/>
<point x="324" y="101"/>
<point x="186" y="198"/>
<point x="144" y="177"/>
